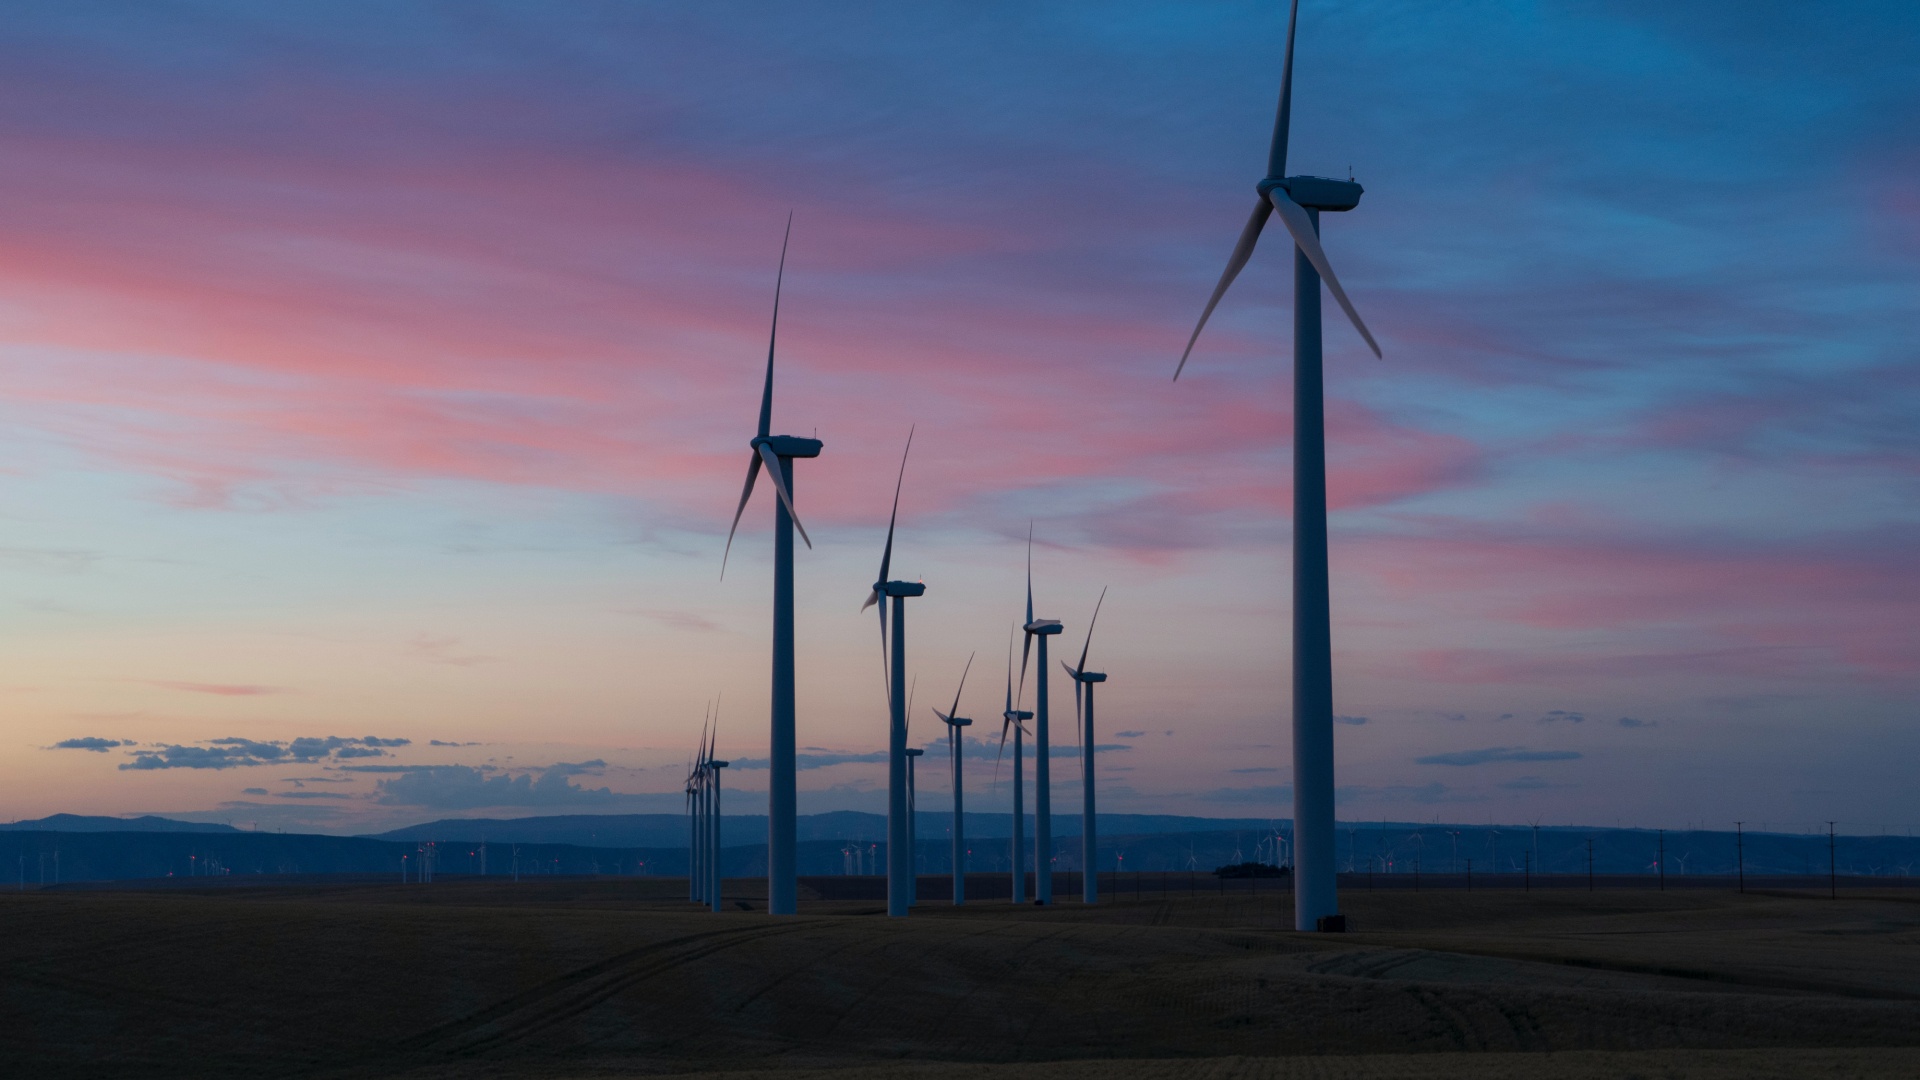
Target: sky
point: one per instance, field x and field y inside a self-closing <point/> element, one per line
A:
<point x="376" y="379"/>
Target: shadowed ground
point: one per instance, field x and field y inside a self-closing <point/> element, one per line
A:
<point x="614" y="977"/>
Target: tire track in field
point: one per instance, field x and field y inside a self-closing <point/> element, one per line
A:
<point x="566" y="996"/>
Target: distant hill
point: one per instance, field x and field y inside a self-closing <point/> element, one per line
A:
<point x="670" y="830"/>
<point x="88" y="823"/>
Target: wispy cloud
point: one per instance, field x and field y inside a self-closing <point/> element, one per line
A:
<point x="690" y="622"/>
<point x="97" y="745"/>
<point x="462" y="787"/>
<point x="230" y="753"/>
<point x="443" y="650"/>
<point x="1497" y="754"/>
<point x="220" y="689"/>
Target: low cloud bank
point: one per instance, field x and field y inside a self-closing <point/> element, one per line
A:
<point x="235" y="753"/>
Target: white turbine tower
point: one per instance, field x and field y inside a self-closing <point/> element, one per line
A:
<point x="1299" y="200"/>
<point x="777" y="453"/>
<point x="899" y="840"/>
<point x="956" y="748"/>
<point x="1042" y="765"/>
<point x="713" y="767"/>
<point x="1085" y="681"/>
<point x="1011" y="717"/>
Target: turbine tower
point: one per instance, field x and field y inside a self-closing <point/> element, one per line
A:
<point x="913" y="827"/>
<point x="1083" y="715"/>
<point x="1042" y="767"/>
<point x="1299" y="200"/>
<point x="693" y="843"/>
<point x="714" y="766"/>
<point x="956" y="746"/>
<point x="899" y="841"/>
<point x="777" y="453"/>
<point x="697" y="819"/>
<point x="1011" y="717"/>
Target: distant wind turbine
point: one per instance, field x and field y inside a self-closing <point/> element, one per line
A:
<point x="899" y="842"/>
<point x="913" y="822"/>
<point x="1299" y="200"/>
<point x="1042" y="766"/>
<point x="1083" y="714"/>
<point x="956" y="747"/>
<point x="1011" y="717"/>
<point x="777" y="452"/>
<point x="714" y="765"/>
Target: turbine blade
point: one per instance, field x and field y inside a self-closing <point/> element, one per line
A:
<point x="1026" y="646"/>
<point x="1029" y="571"/>
<point x="1006" y="719"/>
<point x="1090" y="622"/>
<point x="1283" y="115"/>
<point x="886" y="670"/>
<point x="1009" y="707"/>
<point x="908" y="714"/>
<point x="1301" y="226"/>
<point x="886" y="556"/>
<point x="955" y="711"/>
<point x="1078" y="726"/>
<point x="873" y="597"/>
<point x="766" y="395"/>
<point x="753" y="470"/>
<point x="1242" y="251"/>
<point x="780" y="487"/>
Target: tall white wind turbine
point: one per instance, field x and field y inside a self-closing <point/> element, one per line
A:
<point x="714" y="765"/>
<point x="1299" y="201"/>
<point x="899" y="839"/>
<point x="1085" y="681"/>
<point x="777" y="454"/>
<point x="1042" y="765"/>
<point x="1011" y="717"/>
<point x="956" y="747"/>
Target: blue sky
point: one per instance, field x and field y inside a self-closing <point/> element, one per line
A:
<point x="383" y="371"/>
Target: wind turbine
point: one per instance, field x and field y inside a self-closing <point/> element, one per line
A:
<point x="1083" y="715"/>
<point x="1299" y="200"/>
<point x="696" y="816"/>
<point x="1042" y="768"/>
<point x="899" y="841"/>
<point x="913" y="827"/>
<point x="913" y="823"/>
<point x="714" y="765"/>
<point x="1010" y="717"/>
<point x="777" y="452"/>
<point x="956" y="746"/>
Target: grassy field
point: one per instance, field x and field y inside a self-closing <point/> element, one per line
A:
<point x="618" y="977"/>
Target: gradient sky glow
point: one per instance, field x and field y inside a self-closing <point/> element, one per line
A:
<point x="385" y="370"/>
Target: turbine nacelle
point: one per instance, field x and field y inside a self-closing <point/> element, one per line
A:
<point x="912" y="752"/>
<point x="953" y="721"/>
<point x="789" y="446"/>
<point x="899" y="588"/>
<point x="1044" y="626"/>
<point x="1315" y="192"/>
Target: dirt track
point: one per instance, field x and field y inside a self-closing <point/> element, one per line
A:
<point x="612" y="977"/>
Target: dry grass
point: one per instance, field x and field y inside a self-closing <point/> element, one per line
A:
<point x="619" y="978"/>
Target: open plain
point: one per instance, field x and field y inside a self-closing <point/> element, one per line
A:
<point x="618" y="977"/>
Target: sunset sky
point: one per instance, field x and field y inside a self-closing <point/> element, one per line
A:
<point x="379" y="375"/>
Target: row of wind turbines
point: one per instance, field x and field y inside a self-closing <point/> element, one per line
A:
<point x="1298" y="201"/>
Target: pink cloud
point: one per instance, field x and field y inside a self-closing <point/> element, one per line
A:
<point x="220" y="689"/>
<point x="1746" y="607"/>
